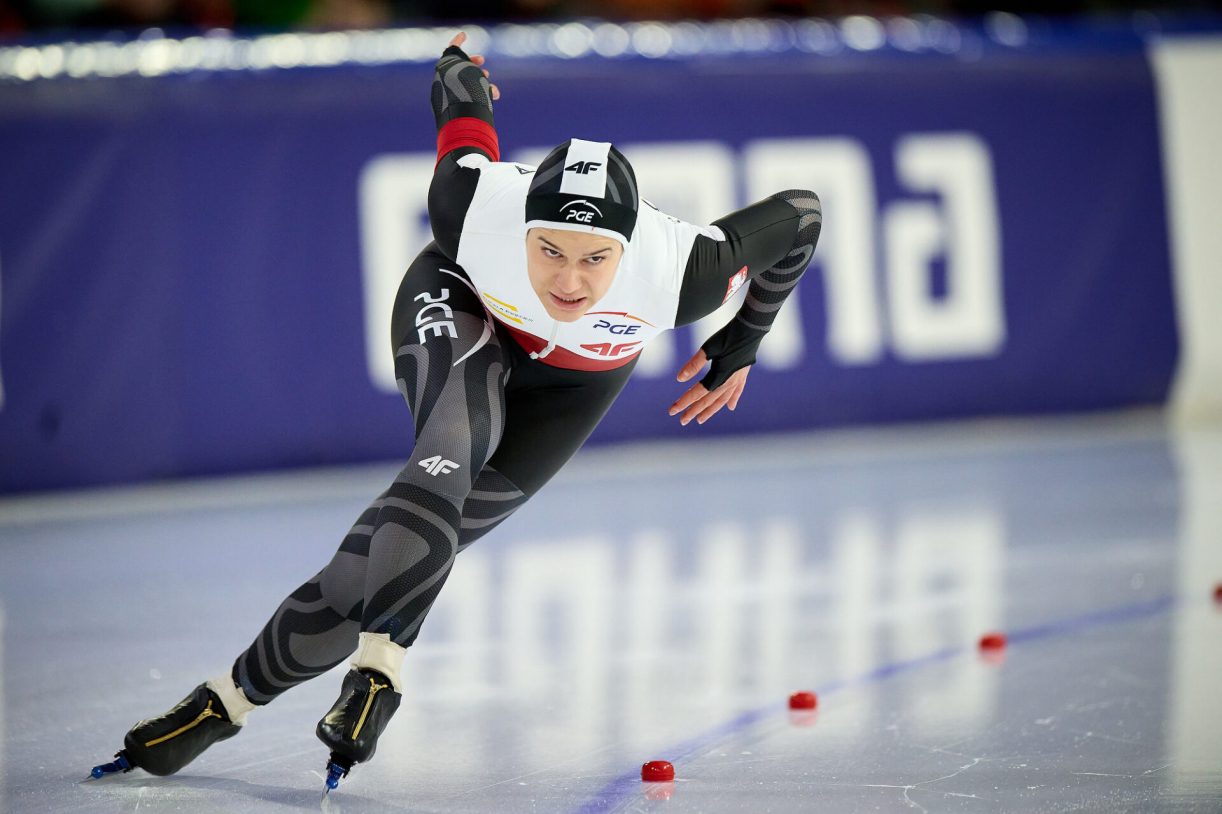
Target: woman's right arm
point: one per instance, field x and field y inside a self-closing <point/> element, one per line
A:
<point x="462" y="107"/>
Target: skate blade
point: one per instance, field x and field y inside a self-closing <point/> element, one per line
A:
<point x="118" y="765"/>
<point x="336" y="771"/>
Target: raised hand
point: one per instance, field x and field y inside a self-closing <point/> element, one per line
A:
<point x="477" y="59"/>
<point x="700" y="403"/>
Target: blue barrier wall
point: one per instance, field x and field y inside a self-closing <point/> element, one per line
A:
<point x="192" y="265"/>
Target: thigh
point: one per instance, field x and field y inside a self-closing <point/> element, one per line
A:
<point x="549" y="414"/>
<point x="451" y="368"/>
<point x="492" y="500"/>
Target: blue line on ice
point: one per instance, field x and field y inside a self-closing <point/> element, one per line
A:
<point x="616" y="793"/>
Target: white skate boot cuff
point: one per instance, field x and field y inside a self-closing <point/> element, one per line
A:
<point x="236" y="705"/>
<point x="377" y="652"/>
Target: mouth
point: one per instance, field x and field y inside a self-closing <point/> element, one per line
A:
<point x="567" y="303"/>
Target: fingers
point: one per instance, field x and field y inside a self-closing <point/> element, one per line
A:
<point x="719" y="400"/>
<point x="459" y="39"/>
<point x="693" y="366"/>
<point x="691" y="397"/>
<point x="700" y="404"/>
<point x="703" y="407"/>
<point x="739" y="380"/>
<point x="480" y="59"/>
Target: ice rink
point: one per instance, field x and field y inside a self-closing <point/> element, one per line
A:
<point x="662" y="602"/>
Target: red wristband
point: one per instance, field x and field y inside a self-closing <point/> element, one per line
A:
<point x="467" y="132"/>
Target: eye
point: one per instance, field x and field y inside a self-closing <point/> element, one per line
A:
<point x="596" y="259"/>
<point x="550" y="252"/>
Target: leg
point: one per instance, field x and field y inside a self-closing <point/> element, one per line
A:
<point x="452" y="370"/>
<point x="394" y="560"/>
<point x="316" y="627"/>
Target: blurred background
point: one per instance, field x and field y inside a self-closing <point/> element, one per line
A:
<point x="208" y="204"/>
<point x="41" y="15"/>
<point x="993" y="403"/>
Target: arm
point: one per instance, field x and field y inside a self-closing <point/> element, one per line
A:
<point x="770" y="243"/>
<point x="462" y="107"/>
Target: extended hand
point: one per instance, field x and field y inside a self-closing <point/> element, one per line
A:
<point x="479" y="60"/>
<point x="698" y="402"/>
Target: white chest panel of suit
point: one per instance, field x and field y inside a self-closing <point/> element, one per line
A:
<point x="641" y="302"/>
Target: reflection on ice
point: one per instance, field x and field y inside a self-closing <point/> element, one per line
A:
<point x="663" y="605"/>
<point x="745" y="615"/>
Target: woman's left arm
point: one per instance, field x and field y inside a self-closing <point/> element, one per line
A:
<point x="462" y="98"/>
<point x="770" y="244"/>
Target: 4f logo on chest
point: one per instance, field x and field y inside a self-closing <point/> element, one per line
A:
<point x="425" y="319"/>
<point x="609" y="349"/>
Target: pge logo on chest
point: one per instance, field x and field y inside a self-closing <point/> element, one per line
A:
<point x="618" y="330"/>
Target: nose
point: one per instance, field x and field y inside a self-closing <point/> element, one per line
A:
<point x="568" y="280"/>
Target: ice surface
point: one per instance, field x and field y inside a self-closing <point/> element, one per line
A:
<point x="661" y="602"/>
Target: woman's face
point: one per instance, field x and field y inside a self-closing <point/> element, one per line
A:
<point x="570" y="271"/>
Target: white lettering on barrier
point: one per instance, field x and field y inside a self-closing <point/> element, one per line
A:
<point x="869" y="308"/>
<point x="968" y="320"/>
<point x="838" y="170"/>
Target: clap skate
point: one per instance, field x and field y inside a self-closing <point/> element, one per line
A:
<point x="165" y="744"/>
<point x="351" y="728"/>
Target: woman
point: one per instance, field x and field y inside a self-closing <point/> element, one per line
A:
<point x="513" y="332"/>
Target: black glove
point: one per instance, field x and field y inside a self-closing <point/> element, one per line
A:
<point x="460" y="88"/>
<point x="730" y="349"/>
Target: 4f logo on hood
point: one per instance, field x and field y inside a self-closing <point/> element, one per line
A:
<point x="583" y="167"/>
<point x="578" y="214"/>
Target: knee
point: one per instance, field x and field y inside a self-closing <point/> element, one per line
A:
<point x="430" y="490"/>
<point x="454" y="443"/>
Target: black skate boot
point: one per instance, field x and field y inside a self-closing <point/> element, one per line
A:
<point x="352" y="726"/>
<point x="165" y="744"/>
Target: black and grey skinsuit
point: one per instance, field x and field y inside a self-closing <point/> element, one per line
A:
<point x="509" y="422"/>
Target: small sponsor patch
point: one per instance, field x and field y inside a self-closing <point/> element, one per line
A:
<point x="505" y="310"/>
<point x="736" y="282"/>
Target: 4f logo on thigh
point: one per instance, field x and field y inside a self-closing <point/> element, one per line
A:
<point x="425" y="322"/>
<point x="438" y="465"/>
